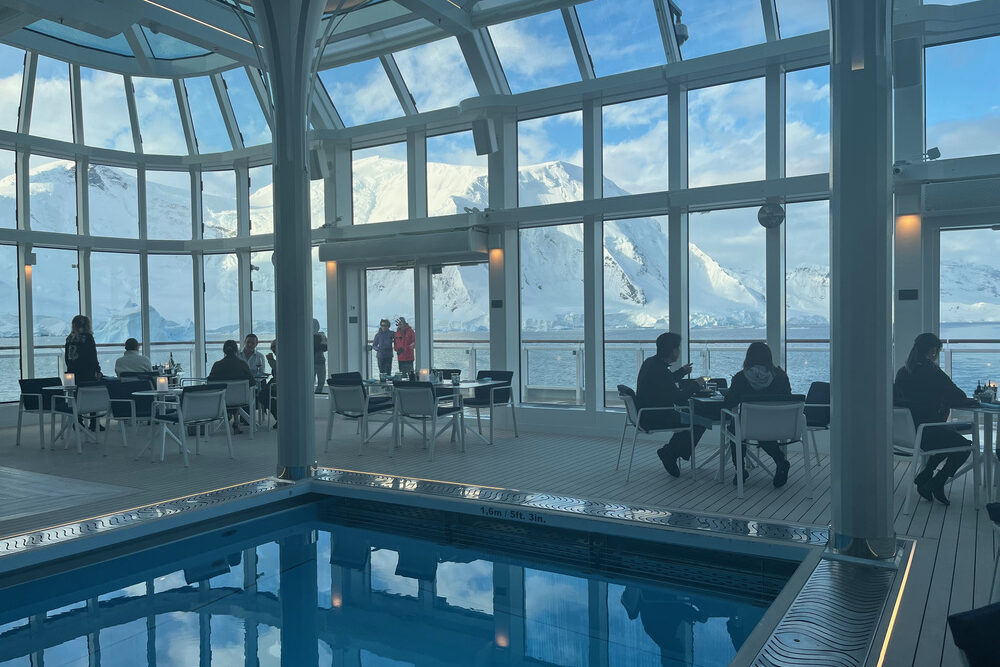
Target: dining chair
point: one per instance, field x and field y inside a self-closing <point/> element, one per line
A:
<point x="34" y="401"/>
<point x="767" y="419"/>
<point x="492" y="397"/>
<point x="240" y="400"/>
<point x="89" y="401"/>
<point x="127" y="408"/>
<point x="352" y="402"/>
<point x="633" y="419"/>
<point x="350" y="379"/>
<point x="416" y="402"/>
<point x="817" y="413"/>
<point x="198" y="406"/>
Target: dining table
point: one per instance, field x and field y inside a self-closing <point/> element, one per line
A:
<point x="983" y="415"/>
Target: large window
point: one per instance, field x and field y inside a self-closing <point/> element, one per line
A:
<point x="171" y="308"/>
<point x="460" y="297"/>
<point x="621" y="35"/>
<point x="361" y="92"/>
<point x="218" y="204"/>
<point x="807" y="121"/>
<point x="159" y="117"/>
<point x="55" y="301"/>
<point x="209" y="128"/>
<point x="456" y="177"/>
<point x="222" y="302"/>
<point x="113" y="198"/>
<point x="105" y="112"/>
<point x="379" y="184"/>
<point x="10" y="328"/>
<point x="11" y="70"/>
<point x="246" y="107"/>
<point x="8" y="190"/>
<point x="520" y="44"/>
<point x="53" y="195"/>
<point x="807" y="293"/>
<point x="726" y="288"/>
<point x="262" y="294"/>
<point x="551" y="279"/>
<point x="115" y="303"/>
<point x="726" y="133"/>
<point x="636" y="298"/>
<point x="389" y="295"/>
<point x="436" y="74"/>
<point x="317" y="203"/>
<point x="50" y="109"/>
<point x="721" y="25"/>
<point x="319" y="289"/>
<point x="168" y="204"/>
<point x="261" y="200"/>
<point x="549" y="159"/>
<point x="635" y="146"/>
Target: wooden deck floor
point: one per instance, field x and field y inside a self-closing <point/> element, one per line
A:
<point x="951" y="571"/>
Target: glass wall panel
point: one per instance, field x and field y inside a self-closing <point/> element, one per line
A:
<point x="807" y="121"/>
<point x="726" y="289"/>
<point x="800" y="17"/>
<point x="361" y="92"/>
<point x="621" y="35"/>
<point x="262" y="295"/>
<point x="436" y="74"/>
<point x="636" y="297"/>
<point x="113" y="198"/>
<point x="456" y="177"/>
<point x="389" y="295"/>
<point x="969" y="309"/>
<point x="50" y="106"/>
<point x="168" y="204"/>
<point x="171" y="309"/>
<point x="159" y="117"/>
<point x="721" y="25"/>
<point x="319" y="289"/>
<point x="10" y="325"/>
<point x="317" y="203"/>
<point x="555" y="613"/>
<point x="379" y="184"/>
<point x="246" y="107"/>
<point x="807" y="293"/>
<point x="8" y="190"/>
<point x="963" y="110"/>
<point x="55" y="301"/>
<point x="549" y="159"/>
<point x="261" y="200"/>
<point x="222" y="302"/>
<point x="105" y="111"/>
<point x="460" y="297"/>
<point x="11" y="73"/>
<point x="209" y="128"/>
<point x="218" y="204"/>
<point x="635" y="146"/>
<point x="552" y="314"/>
<point x="520" y="45"/>
<point x="726" y="133"/>
<point x="115" y="303"/>
<point x="52" y="188"/>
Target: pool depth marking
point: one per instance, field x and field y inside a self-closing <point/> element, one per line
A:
<point x="511" y="515"/>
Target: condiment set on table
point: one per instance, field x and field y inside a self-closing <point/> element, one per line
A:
<point x="986" y="393"/>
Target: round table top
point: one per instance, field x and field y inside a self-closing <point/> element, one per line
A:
<point x="154" y="392"/>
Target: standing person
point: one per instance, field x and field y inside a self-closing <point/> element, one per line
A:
<point x="760" y="377"/>
<point x="658" y="387"/>
<point x="929" y="393"/>
<point x="406" y="342"/>
<point x="319" y="359"/>
<point x="250" y="355"/>
<point x="269" y="390"/>
<point x="132" y="361"/>
<point x="81" y="351"/>
<point x="382" y="344"/>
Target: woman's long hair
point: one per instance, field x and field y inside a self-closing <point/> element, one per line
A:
<point x="922" y="344"/>
<point x="81" y="325"/>
<point x="759" y="354"/>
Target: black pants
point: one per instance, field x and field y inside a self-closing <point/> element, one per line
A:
<point x="405" y="366"/>
<point x="385" y="365"/>
<point x="772" y="448"/>
<point x="942" y="437"/>
<point x="680" y="444"/>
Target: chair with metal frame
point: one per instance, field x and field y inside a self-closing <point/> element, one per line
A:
<point x="416" y="401"/>
<point x="352" y="402"/>
<point x="765" y="419"/>
<point x="907" y="441"/>
<point x="198" y="406"/>
<point x="490" y="397"/>
<point x="817" y="413"/>
<point x="89" y="401"/>
<point x="128" y="409"/>
<point x="350" y="379"/>
<point x="34" y="401"/>
<point x="633" y="418"/>
<point x="240" y="399"/>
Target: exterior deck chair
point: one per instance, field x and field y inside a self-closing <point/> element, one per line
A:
<point x="633" y="419"/>
<point x="34" y="401"/>
<point x="415" y="401"/>
<point x="491" y="397"/>
<point x="777" y="418"/>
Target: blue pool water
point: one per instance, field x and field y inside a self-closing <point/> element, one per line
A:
<point x="309" y="586"/>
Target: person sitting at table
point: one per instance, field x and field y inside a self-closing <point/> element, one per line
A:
<point x="760" y="377"/>
<point x="132" y="361"/>
<point x="929" y="393"/>
<point x="231" y="367"/>
<point x="657" y="386"/>
<point x="253" y="358"/>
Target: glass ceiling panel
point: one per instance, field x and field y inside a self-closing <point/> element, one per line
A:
<point x="361" y="92"/>
<point x="535" y="52"/>
<point x="621" y="35"/>
<point x="117" y="44"/>
<point x="436" y="74"/>
<point x="11" y="72"/>
<point x="159" y="118"/>
<point x="105" y="112"/>
<point x="249" y="116"/>
<point x="209" y="128"/>
<point x="800" y="17"/>
<point x="721" y="25"/>
<point x="169" y="48"/>
<point x="50" y="110"/>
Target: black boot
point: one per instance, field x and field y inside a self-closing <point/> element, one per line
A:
<point x="668" y="456"/>
<point x="924" y="482"/>
<point x="937" y="487"/>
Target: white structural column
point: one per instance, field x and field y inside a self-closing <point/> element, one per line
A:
<point x="861" y="281"/>
<point x="504" y="263"/>
<point x="289" y="30"/>
<point x="775" y="237"/>
<point x="677" y="249"/>
<point x="593" y="257"/>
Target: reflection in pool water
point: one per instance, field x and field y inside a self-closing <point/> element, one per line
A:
<point x="334" y="595"/>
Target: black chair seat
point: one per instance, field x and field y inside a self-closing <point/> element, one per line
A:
<point x="447" y="409"/>
<point x="993" y="509"/>
<point x="477" y="402"/>
<point x="379" y="400"/>
<point x="169" y="416"/>
<point x="62" y="406"/>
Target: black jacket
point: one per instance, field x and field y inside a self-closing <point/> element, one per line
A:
<point x="928" y="392"/>
<point x="231" y="368"/>
<point x="657" y="386"/>
<point x="742" y="391"/>
<point x="81" y="356"/>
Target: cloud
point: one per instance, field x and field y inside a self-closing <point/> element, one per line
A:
<point x="535" y="51"/>
<point x="159" y="118"/>
<point x="105" y="111"/>
<point x="50" y="110"/>
<point x="726" y="133"/>
<point x="967" y="137"/>
<point x="550" y="138"/>
<point x="721" y="25"/>
<point x="10" y="101"/>
<point x="436" y="74"/>
<point x="638" y="164"/>
<point x="361" y="92"/>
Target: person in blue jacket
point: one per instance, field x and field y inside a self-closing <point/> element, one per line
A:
<point x="382" y="345"/>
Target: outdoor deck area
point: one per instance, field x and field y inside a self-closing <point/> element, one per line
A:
<point x="951" y="570"/>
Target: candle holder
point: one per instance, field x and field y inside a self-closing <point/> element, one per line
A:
<point x="162" y="383"/>
<point x="69" y="379"/>
<point x="425" y="375"/>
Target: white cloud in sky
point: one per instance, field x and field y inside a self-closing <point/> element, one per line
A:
<point x="967" y="137"/>
<point x="726" y="133"/>
<point x="535" y="52"/>
<point x="436" y="74"/>
<point x="635" y="145"/>
<point x="105" y="111"/>
<point x="10" y="100"/>
<point x="159" y="118"/>
<point x="550" y="138"/>
<point x="362" y="93"/>
<point x="721" y="25"/>
<point x="50" y="110"/>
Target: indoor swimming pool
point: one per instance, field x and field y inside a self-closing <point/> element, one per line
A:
<point x="354" y="582"/>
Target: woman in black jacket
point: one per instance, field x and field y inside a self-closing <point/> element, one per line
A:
<point x="81" y="351"/>
<point x="929" y="393"/>
<point x="760" y="377"/>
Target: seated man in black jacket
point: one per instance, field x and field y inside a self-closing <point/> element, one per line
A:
<point x="658" y="386"/>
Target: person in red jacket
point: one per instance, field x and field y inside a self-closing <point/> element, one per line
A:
<point x="405" y="341"/>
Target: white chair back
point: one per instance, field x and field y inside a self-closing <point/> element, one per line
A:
<point x="631" y="412"/>
<point x="238" y="393"/>
<point x="204" y="405"/>
<point x="415" y="399"/>
<point x="772" y="421"/>
<point x="904" y="433"/>
<point x="92" y="399"/>
<point x="348" y="400"/>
